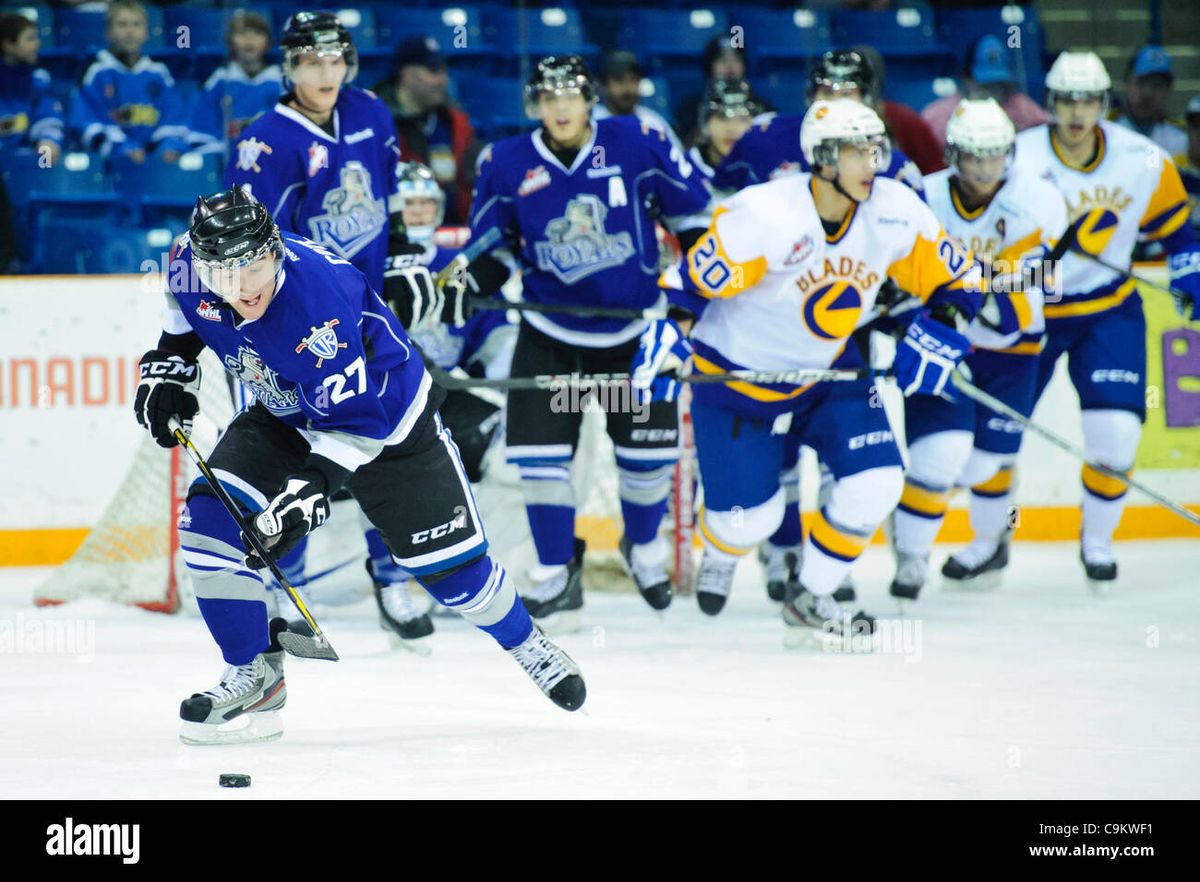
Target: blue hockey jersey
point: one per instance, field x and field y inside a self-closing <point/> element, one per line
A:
<point x="772" y="148"/>
<point x="586" y="234"/>
<point x="120" y="108"/>
<point x="230" y="101"/>
<point x="331" y="188"/>
<point x="327" y="357"/>
<point x="29" y="112"/>
<point x="445" y="345"/>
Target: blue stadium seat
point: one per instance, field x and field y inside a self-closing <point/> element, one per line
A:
<point x="545" y="31"/>
<point x="84" y="29"/>
<point x="206" y="26"/>
<point x="775" y="35"/>
<point x="906" y="29"/>
<point x="458" y="29"/>
<point x="41" y="14"/>
<point x="783" y="90"/>
<point x="659" y="97"/>
<point x="360" y="22"/>
<point x="960" y="28"/>
<point x="154" y="185"/>
<point x="917" y="92"/>
<point x="79" y="245"/>
<point x="496" y="104"/>
<point x="667" y="33"/>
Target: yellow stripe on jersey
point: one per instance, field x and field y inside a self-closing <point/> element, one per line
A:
<point x="1013" y="253"/>
<point x="758" y="393"/>
<point x="1168" y="208"/>
<point x="997" y="485"/>
<point x="967" y="214"/>
<point x="1088" y="307"/>
<point x="924" y="502"/>
<point x="714" y="272"/>
<point x="932" y="265"/>
<point x="717" y="543"/>
<point x="1029" y="347"/>
<point x="1091" y="166"/>
<point x="1102" y="485"/>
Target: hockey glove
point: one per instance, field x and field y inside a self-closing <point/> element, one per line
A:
<point x="168" y="388"/>
<point x="661" y="354"/>
<point x="417" y="298"/>
<point x="926" y="356"/>
<point x="1184" y="270"/>
<point x="298" y="509"/>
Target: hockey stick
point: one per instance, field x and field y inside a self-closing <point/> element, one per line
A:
<point x="474" y="248"/>
<point x="316" y="646"/>
<point x="975" y="393"/>
<point x="656" y="311"/>
<point x="552" y="381"/>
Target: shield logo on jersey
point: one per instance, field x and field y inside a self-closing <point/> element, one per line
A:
<point x="248" y="153"/>
<point x="578" y="245"/>
<point x="321" y="342"/>
<point x="318" y="158"/>
<point x="353" y="216"/>
<point x="831" y="312"/>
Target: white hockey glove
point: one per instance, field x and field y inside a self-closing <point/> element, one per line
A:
<point x="169" y="387"/>
<point x="298" y="509"/>
<point x="662" y="352"/>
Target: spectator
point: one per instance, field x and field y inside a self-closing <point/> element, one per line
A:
<point x="722" y="60"/>
<point x="126" y="106"/>
<point x="620" y="91"/>
<point x="988" y="74"/>
<point x="430" y="129"/>
<point x="30" y="116"/>
<point x="911" y="133"/>
<point x="727" y="113"/>
<point x="241" y="90"/>
<point x="1148" y="80"/>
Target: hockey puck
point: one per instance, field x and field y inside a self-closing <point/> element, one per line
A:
<point x="234" y="780"/>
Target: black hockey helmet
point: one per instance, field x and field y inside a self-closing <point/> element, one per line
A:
<point x="842" y="68"/>
<point x="559" y="75"/>
<point x="320" y="32"/>
<point x="229" y="230"/>
<point x="729" y="98"/>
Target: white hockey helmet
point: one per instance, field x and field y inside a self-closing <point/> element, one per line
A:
<point x="829" y="124"/>
<point x="1078" y="75"/>
<point x="414" y="180"/>
<point x="979" y="128"/>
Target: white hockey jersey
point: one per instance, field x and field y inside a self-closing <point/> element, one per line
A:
<point x="1137" y="192"/>
<point x="785" y="295"/>
<point x="1023" y="220"/>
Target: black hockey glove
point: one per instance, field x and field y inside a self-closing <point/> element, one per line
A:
<point x="168" y="388"/>
<point x="417" y="298"/>
<point x="298" y="509"/>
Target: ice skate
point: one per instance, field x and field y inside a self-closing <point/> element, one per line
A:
<point x="714" y="580"/>
<point x="818" y="619"/>
<point x="554" y="672"/>
<point x="646" y="564"/>
<point x="979" y="566"/>
<point x="1100" y="570"/>
<point x="781" y="565"/>
<point x="911" y="571"/>
<point x="407" y="625"/>
<point x="241" y="709"/>
<point x="556" y="600"/>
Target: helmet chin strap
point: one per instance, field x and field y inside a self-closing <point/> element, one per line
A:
<point x="837" y="185"/>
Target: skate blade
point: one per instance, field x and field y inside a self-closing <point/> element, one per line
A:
<point x="566" y="621"/>
<point x="420" y="646"/>
<point x="1100" y="588"/>
<point x="988" y="581"/>
<point x="807" y="639"/>
<point x="251" y="728"/>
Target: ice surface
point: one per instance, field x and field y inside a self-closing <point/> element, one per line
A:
<point x="1038" y="689"/>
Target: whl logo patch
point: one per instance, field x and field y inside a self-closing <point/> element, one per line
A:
<point x="208" y="311"/>
<point x="322" y="342"/>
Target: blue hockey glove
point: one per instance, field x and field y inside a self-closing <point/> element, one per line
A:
<point x="1184" y="271"/>
<point x="662" y="352"/>
<point x="926" y="356"/>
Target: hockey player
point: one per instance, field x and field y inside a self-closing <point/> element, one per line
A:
<point x="342" y="401"/>
<point x="726" y="113"/>
<point x="576" y="202"/>
<point x="1119" y="187"/>
<point x="783" y="276"/>
<point x="771" y="147"/>
<point x="481" y="346"/>
<point x="1009" y="223"/>
<point x="323" y="160"/>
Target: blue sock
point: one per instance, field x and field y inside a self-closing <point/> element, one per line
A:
<point x="484" y="594"/>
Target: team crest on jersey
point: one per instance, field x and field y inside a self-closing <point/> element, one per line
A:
<point x="322" y="342"/>
<point x="353" y="216"/>
<point x="318" y="158"/>
<point x="248" y="152"/>
<point x="801" y="251"/>
<point x="249" y="367"/>
<point x="535" y="179"/>
<point x="208" y="311"/>
<point x="831" y="312"/>
<point x="578" y="245"/>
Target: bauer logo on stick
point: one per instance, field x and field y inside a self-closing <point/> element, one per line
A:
<point x="322" y="342"/>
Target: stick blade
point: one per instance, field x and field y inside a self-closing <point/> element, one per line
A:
<point x="306" y="647"/>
